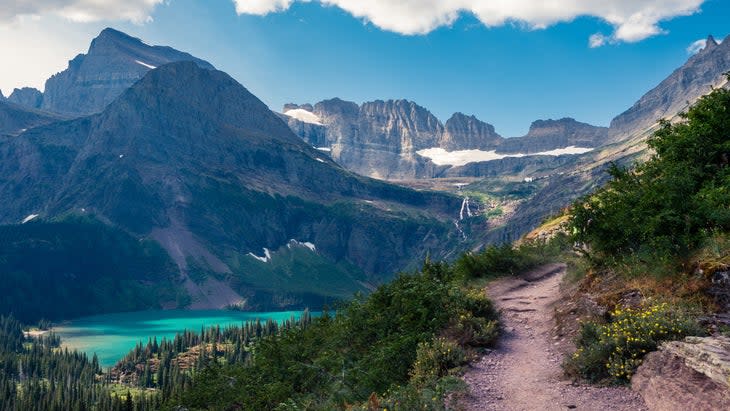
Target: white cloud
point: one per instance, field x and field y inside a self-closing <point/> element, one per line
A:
<point x="32" y="49"/>
<point x="597" y="40"/>
<point x="698" y="45"/>
<point x="261" y="7"/>
<point x="632" y="20"/>
<point x="36" y="39"/>
<point x="137" y="11"/>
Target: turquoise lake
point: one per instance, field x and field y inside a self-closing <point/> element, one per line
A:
<point x="111" y="336"/>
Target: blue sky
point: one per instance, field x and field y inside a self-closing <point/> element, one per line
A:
<point x="506" y="73"/>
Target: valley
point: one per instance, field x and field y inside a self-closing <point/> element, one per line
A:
<point x="164" y="234"/>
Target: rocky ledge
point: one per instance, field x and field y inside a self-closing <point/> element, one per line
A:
<point x="693" y="374"/>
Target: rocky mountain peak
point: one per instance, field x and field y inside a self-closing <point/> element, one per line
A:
<point x="710" y="43"/>
<point x="27" y="97"/>
<point x="550" y="126"/>
<point x="292" y="106"/>
<point x="399" y="123"/>
<point x="674" y="94"/>
<point x="109" y="38"/>
<point x="336" y="106"/>
<point x="468" y="132"/>
<point x="113" y="63"/>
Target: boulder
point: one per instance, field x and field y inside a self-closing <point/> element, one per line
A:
<point x="686" y="375"/>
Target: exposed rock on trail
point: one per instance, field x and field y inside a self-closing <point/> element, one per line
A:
<point x="686" y="375"/>
<point x="524" y="372"/>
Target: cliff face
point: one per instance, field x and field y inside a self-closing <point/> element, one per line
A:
<point x="462" y="132"/>
<point x="113" y="63"/>
<point x="694" y="79"/>
<point x="381" y="139"/>
<point x="388" y="134"/>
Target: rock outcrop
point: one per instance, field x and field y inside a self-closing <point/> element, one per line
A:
<point x="27" y="97"/>
<point x="113" y="63"/>
<point x="686" y="375"/>
<point x="388" y="134"/>
<point x="308" y="128"/>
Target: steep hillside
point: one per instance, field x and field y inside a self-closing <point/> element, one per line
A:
<point x="694" y="79"/>
<point x="79" y="266"/>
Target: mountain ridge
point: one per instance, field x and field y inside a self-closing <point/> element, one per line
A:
<point x="381" y="138"/>
<point x="113" y="62"/>
<point x="215" y="176"/>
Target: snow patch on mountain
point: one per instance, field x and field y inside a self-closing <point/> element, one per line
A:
<point x="149" y="66"/>
<point x="265" y="259"/>
<point x="441" y="157"/>
<point x="304" y="115"/>
<point x="306" y="244"/>
<point x="29" y="218"/>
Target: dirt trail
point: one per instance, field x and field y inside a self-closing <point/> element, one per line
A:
<point x="524" y="372"/>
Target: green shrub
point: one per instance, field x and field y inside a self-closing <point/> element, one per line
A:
<point x="395" y="347"/>
<point x="476" y="324"/>
<point x="493" y="261"/>
<point x="434" y="359"/>
<point x="414" y="397"/>
<point x="614" y="350"/>
<point x="667" y="205"/>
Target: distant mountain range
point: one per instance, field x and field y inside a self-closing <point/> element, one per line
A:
<point x="386" y="139"/>
<point x="271" y="210"/>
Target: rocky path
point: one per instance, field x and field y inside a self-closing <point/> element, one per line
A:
<point x="524" y="372"/>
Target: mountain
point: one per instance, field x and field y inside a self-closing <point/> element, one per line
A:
<point x="113" y="63"/>
<point x="694" y="79"/>
<point x="386" y="139"/>
<point x="388" y="135"/>
<point x="27" y="97"/>
<point x="524" y="179"/>
<point x="15" y="119"/>
<point x="252" y="215"/>
<point x="546" y="135"/>
<point x="462" y="132"/>
<point x="558" y="185"/>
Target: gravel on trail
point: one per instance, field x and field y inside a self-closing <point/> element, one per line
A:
<point x="524" y="371"/>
